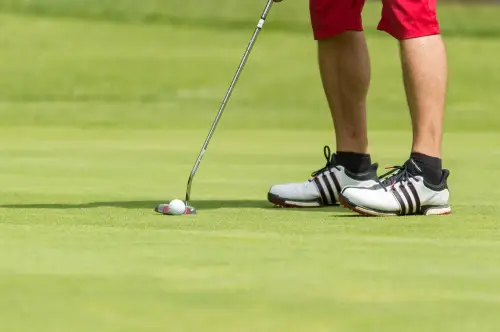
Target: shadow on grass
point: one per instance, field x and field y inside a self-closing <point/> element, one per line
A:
<point x="200" y="205"/>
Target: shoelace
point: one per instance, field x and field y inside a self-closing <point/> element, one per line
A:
<point x="395" y="175"/>
<point x="330" y="162"/>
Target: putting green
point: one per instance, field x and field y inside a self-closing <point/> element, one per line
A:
<point x="100" y="121"/>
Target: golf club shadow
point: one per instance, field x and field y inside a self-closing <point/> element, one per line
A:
<point x="150" y="205"/>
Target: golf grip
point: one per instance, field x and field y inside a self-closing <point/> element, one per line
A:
<point x="260" y="24"/>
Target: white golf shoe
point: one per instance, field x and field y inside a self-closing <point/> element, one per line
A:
<point x="402" y="191"/>
<point x="324" y="188"/>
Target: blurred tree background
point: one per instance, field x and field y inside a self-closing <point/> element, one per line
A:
<point x="455" y="15"/>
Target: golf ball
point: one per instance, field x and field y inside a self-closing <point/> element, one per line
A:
<point x="176" y="207"/>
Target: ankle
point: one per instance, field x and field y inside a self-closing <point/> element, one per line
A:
<point x="354" y="162"/>
<point x="430" y="148"/>
<point x="354" y="140"/>
<point x="430" y="167"/>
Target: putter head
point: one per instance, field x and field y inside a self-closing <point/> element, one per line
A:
<point x="163" y="209"/>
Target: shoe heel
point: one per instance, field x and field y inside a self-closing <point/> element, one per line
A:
<point x="436" y="210"/>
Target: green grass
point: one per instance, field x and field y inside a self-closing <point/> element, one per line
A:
<point x="99" y="121"/>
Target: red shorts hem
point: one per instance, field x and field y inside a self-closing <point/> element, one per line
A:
<point x="410" y="34"/>
<point x="325" y="34"/>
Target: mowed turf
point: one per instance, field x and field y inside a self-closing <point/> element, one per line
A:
<point x="101" y="121"/>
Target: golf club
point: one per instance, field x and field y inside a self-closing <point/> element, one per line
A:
<point x="163" y="208"/>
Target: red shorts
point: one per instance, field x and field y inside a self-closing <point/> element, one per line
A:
<point x="402" y="19"/>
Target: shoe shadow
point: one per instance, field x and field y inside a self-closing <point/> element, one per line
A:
<point x="151" y="204"/>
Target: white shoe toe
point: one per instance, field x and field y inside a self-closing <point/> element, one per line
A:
<point x="295" y="191"/>
<point x="380" y="199"/>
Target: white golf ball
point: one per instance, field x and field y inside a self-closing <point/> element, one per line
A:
<point x="176" y="207"/>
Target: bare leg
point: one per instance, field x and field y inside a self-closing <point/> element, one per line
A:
<point x="345" y="72"/>
<point x="425" y="77"/>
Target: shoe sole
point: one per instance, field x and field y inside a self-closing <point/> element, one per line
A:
<point x="286" y="203"/>
<point x="426" y="211"/>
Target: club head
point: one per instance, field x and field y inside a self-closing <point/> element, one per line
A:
<point x="163" y="209"/>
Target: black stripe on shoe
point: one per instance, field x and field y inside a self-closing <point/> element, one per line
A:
<point x="321" y="180"/>
<point x="415" y="195"/>
<point x="322" y="193"/>
<point x="408" y="199"/>
<point x="328" y="184"/>
<point x="337" y="184"/>
<point x="400" y="200"/>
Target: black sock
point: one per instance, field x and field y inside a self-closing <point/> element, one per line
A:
<point x="431" y="167"/>
<point x="354" y="162"/>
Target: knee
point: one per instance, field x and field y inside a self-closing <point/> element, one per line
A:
<point x="404" y="19"/>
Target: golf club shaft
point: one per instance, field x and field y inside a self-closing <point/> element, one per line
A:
<point x="228" y="95"/>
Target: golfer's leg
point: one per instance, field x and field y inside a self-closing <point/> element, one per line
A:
<point x="345" y="72"/>
<point x="345" y="69"/>
<point x="423" y="57"/>
<point x="425" y="74"/>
